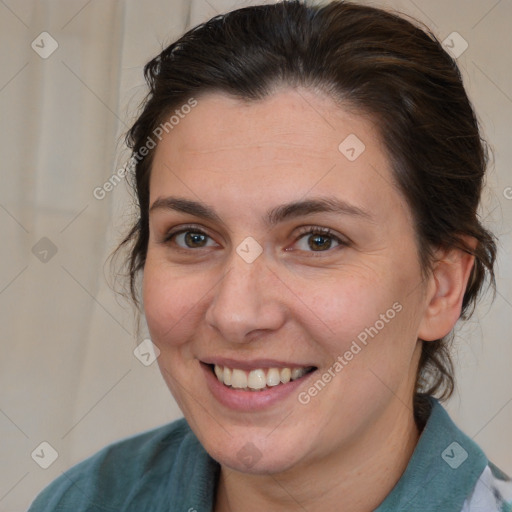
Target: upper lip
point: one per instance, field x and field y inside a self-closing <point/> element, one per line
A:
<point x="253" y="364"/>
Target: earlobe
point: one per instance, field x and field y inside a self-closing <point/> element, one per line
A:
<point x="449" y="280"/>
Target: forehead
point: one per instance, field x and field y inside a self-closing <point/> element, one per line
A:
<point x="299" y="118"/>
<point x="280" y="148"/>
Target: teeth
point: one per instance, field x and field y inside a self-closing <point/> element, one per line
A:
<point x="297" y="373"/>
<point x="273" y="377"/>
<point x="257" y="379"/>
<point x="239" y="379"/>
<point x="286" y="375"/>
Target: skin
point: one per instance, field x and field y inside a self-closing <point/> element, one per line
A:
<point x="350" y="444"/>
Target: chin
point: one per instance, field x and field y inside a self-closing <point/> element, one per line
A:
<point x="256" y="454"/>
<point x="255" y="462"/>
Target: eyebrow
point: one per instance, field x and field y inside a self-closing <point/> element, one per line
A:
<point x="274" y="216"/>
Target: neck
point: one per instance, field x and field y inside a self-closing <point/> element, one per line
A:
<point x="353" y="478"/>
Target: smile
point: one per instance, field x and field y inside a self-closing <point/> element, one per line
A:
<point x="258" y="379"/>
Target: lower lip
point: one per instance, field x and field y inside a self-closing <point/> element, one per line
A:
<point x="250" y="400"/>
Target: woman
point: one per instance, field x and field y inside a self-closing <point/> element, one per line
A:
<point x="308" y="181"/>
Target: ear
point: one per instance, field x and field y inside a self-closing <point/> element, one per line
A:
<point x="447" y="285"/>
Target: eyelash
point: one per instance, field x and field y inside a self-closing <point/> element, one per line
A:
<point x="305" y="230"/>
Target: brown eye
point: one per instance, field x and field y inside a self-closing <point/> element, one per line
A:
<point x="190" y="239"/>
<point x="318" y="240"/>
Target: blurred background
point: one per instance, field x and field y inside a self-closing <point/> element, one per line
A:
<point x="70" y="85"/>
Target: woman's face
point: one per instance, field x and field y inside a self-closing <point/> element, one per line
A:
<point x="241" y="274"/>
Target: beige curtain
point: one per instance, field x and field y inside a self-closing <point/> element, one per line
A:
<point x="70" y="83"/>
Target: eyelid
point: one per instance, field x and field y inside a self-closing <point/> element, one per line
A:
<point x="343" y="240"/>
<point x="182" y="228"/>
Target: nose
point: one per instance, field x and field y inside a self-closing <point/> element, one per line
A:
<point x="246" y="301"/>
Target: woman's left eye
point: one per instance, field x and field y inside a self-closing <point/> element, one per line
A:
<point x="318" y="240"/>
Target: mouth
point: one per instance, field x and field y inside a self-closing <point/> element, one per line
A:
<point x="258" y="379"/>
<point x="255" y="386"/>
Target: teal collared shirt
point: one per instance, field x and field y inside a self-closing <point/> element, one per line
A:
<point x="167" y="469"/>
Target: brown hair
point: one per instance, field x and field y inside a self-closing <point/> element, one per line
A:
<point x="374" y="61"/>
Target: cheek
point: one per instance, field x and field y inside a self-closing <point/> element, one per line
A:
<point x="366" y="316"/>
<point x="345" y="306"/>
<point x="171" y="303"/>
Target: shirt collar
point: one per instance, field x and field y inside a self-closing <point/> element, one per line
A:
<point x="442" y="471"/>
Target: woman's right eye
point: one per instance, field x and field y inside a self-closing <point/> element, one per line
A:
<point x="190" y="239"/>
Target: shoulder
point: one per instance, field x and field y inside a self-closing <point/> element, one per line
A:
<point x="126" y="471"/>
<point x="492" y="492"/>
<point x="448" y="472"/>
